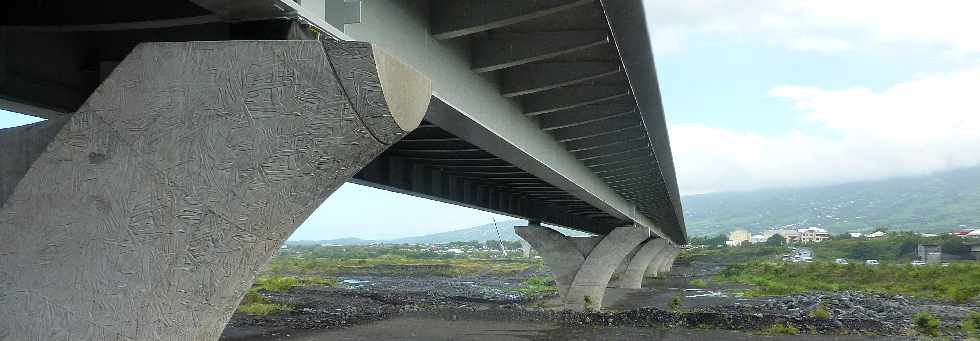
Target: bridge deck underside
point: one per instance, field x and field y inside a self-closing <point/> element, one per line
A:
<point x="433" y="163"/>
<point x="561" y="61"/>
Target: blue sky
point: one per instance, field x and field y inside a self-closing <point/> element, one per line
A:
<point x="763" y="94"/>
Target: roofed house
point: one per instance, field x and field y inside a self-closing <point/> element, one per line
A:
<point x="813" y="235"/>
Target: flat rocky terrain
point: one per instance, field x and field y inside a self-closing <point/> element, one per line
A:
<point x="487" y="308"/>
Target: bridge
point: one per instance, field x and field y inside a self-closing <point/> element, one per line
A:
<point x="185" y="140"/>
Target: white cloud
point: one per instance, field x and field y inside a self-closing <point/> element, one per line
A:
<point x="819" y="44"/>
<point x="914" y="127"/>
<point x="950" y="25"/>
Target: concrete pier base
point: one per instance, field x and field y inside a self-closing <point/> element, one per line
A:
<point x="148" y="213"/>
<point x="583" y="266"/>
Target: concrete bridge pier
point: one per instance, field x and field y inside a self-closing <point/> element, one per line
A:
<point x="636" y="266"/>
<point x="663" y="262"/>
<point x="147" y="213"/>
<point x="583" y="266"/>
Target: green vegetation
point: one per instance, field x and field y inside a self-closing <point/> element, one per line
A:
<point x="971" y="324"/>
<point x="310" y="265"/>
<point x="675" y="303"/>
<point x="587" y="302"/>
<point x="263" y="309"/>
<point x="538" y="286"/>
<point x="820" y="312"/>
<point x="781" y="329"/>
<point x="925" y="324"/>
<point x="255" y="304"/>
<point x="958" y="283"/>
<point x="898" y="247"/>
<point x="737" y="254"/>
<point x="698" y="283"/>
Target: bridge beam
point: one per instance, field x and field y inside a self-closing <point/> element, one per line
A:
<point x="505" y="50"/>
<point x="150" y="211"/>
<point x="457" y="18"/>
<point x="583" y="266"/>
<point x="537" y="77"/>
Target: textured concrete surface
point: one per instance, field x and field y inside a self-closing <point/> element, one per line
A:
<point x="583" y="266"/>
<point x="637" y="265"/>
<point x="150" y="212"/>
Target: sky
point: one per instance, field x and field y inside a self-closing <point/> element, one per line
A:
<point x="767" y="94"/>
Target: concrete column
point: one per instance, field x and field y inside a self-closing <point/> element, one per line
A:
<point x="583" y="266"/>
<point x="663" y="261"/>
<point x="149" y="212"/>
<point x="636" y="268"/>
<point x="658" y="264"/>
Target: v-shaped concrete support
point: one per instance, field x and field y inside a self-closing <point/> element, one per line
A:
<point x="583" y="266"/>
<point x="148" y="213"/>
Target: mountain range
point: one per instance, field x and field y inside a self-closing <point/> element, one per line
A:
<point x="936" y="202"/>
<point x="481" y="233"/>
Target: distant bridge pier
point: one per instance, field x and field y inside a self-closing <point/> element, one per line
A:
<point x="583" y="266"/>
<point x="146" y="214"/>
<point x="663" y="262"/>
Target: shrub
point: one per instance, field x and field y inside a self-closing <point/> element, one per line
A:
<point x="675" y="303"/>
<point x="539" y="286"/>
<point x="971" y="324"/>
<point x="781" y="329"/>
<point x="263" y="309"/>
<point x="587" y="301"/>
<point x="925" y="323"/>
<point x="820" y="312"/>
<point x="698" y="283"/>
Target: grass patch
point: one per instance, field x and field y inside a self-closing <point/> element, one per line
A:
<point x="284" y="283"/>
<point x="262" y="309"/>
<point x="780" y="328"/>
<point x="971" y="324"/>
<point x="820" y="312"/>
<point x="926" y="324"/>
<point x="538" y="286"/>
<point x="698" y="283"/>
<point x="958" y="283"/>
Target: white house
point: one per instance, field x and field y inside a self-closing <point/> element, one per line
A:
<point x="855" y="234"/>
<point x="757" y="238"/>
<point x="876" y="234"/>
<point x="813" y="234"/>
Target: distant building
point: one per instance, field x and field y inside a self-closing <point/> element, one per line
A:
<point x="813" y="235"/>
<point x="876" y="234"/>
<point x="790" y="235"/>
<point x="929" y="253"/>
<point x="974" y="233"/>
<point x="758" y="238"/>
<point x="855" y="234"/>
<point x="737" y="237"/>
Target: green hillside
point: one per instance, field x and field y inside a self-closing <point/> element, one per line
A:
<point x="933" y="203"/>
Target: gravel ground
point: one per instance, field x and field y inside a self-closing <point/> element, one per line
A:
<point x="483" y="300"/>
